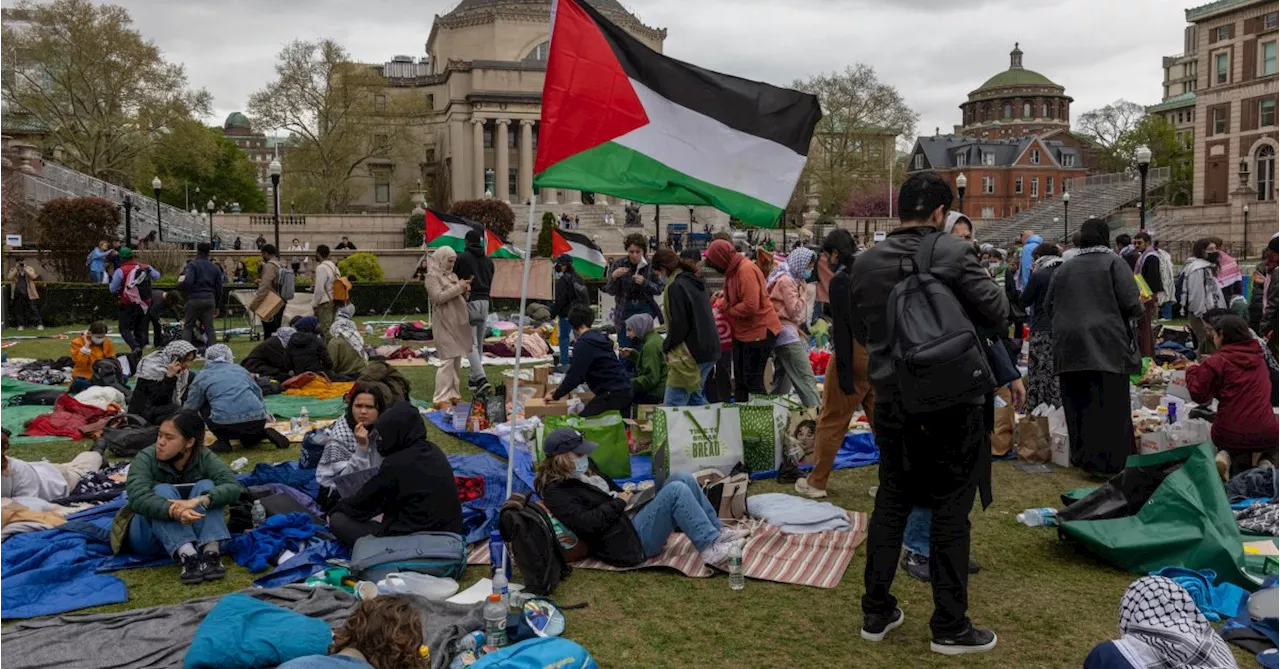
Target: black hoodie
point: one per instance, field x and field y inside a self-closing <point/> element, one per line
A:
<point x="414" y="488"/>
<point x="473" y="264"/>
<point x="594" y="362"/>
<point x="690" y="319"/>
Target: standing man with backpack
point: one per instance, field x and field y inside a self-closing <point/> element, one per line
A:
<point x="473" y="264"/>
<point x="202" y="284"/>
<point x="931" y="375"/>
<point x="269" y="281"/>
<point x="132" y="282"/>
<point x="322" y="290"/>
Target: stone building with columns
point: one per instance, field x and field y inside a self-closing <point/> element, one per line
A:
<point x="482" y="79"/>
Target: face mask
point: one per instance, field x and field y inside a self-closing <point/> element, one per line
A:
<point x="581" y="465"/>
<point x="1212" y="257"/>
<point x="993" y="266"/>
<point x="808" y="274"/>
<point x="558" y="275"/>
<point x="97" y="339"/>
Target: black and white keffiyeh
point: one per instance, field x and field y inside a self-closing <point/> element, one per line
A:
<point x="1161" y="628"/>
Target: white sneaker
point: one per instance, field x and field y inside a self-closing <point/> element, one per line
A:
<point x="716" y="554"/>
<point x="728" y="536"/>
<point x="803" y="488"/>
<point x="21" y="328"/>
<point x="39" y="327"/>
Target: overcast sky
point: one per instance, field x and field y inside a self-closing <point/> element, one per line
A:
<point x="933" y="51"/>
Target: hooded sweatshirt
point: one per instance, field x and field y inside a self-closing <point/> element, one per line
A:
<point x="690" y="320"/>
<point x="1024" y="270"/>
<point x="787" y="292"/>
<point x="414" y="488"/>
<point x="473" y="264"/>
<point x="595" y="363"/>
<point x="750" y="312"/>
<point x="1237" y="375"/>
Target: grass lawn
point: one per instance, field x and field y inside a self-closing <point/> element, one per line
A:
<point x="1048" y="603"/>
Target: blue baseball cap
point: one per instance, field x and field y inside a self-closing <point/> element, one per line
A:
<point x="567" y="440"/>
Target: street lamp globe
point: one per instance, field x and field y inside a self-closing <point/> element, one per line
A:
<point x="1066" y="197"/>
<point x="1142" y="155"/>
<point x="155" y="183"/>
<point x="274" y="168"/>
<point x="209" y="206"/>
<point x="1246" y="209"/>
<point x="961" y="180"/>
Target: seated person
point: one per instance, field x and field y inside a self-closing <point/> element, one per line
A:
<point x="1161" y="626"/>
<point x="414" y="490"/>
<point x="231" y="403"/>
<point x="43" y="479"/>
<point x="383" y="633"/>
<point x="306" y="348"/>
<point x="176" y="491"/>
<point x="346" y="344"/>
<point x="162" y="380"/>
<point x="594" y="507"/>
<point x="271" y="358"/>
<point x="348" y="449"/>
<point x="594" y="362"/>
<point x="649" y="385"/>
<point x="87" y="349"/>
<point x="1237" y="376"/>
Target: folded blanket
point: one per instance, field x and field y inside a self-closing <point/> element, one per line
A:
<point x="1216" y="602"/>
<point x="320" y="388"/>
<point x="797" y="515"/>
<point x="244" y="632"/>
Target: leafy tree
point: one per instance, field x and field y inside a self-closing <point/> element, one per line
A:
<point x="68" y="228"/>
<point x="1167" y="150"/>
<point x="495" y="215"/>
<point x="328" y="104"/>
<point x="192" y="155"/>
<point x="104" y="93"/>
<point x="543" y="248"/>
<point x="1107" y="127"/>
<point x="414" y="230"/>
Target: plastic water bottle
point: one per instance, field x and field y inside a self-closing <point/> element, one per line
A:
<point x="1041" y="517"/>
<point x="495" y="622"/>
<point x="736" y="579"/>
<point x="473" y="641"/>
<point x="259" y="514"/>
<point x="496" y="550"/>
<point x="304" y="420"/>
<point x="1173" y="412"/>
<point x="501" y="589"/>
<point x="239" y="463"/>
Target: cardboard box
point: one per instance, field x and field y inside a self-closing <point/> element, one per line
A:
<point x="527" y="389"/>
<point x="267" y="306"/>
<point x="541" y="372"/>
<point x="540" y="406"/>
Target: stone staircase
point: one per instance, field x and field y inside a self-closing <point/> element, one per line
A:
<point x="591" y="218"/>
<point x="1097" y="196"/>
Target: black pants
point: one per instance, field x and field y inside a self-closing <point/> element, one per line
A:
<point x="930" y="460"/>
<point x="201" y="311"/>
<point x="1099" y="422"/>
<point x="347" y="529"/>
<point x="134" y="324"/>
<point x="749" y="359"/>
<point x="269" y="327"/>
<point x="250" y="433"/>
<point x="24" y="311"/>
<point x="616" y="400"/>
<point x="719" y="386"/>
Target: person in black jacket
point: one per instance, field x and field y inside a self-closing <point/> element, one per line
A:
<point x="413" y="489"/>
<point x="202" y="284"/>
<point x="937" y="459"/>
<point x="473" y="264"/>
<point x="161" y="382"/>
<point x="631" y="282"/>
<point x="594" y="507"/>
<point x="271" y="357"/>
<point x="595" y="362"/>
<point x="1042" y="379"/>
<point x="692" y="346"/>
<point x="850" y="388"/>
<point x="570" y="291"/>
<point x="307" y="351"/>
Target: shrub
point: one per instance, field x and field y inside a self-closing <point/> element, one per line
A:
<point x="495" y="215"/>
<point x="167" y="257"/>
<point x="362" y="267"/>
<point x="253" y="264"/>
<point x="68" y="228"/>
<point x="543" y="249"/>
<point x="413" y="229"/>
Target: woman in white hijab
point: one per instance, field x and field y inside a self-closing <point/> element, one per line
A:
<point x="450" y="328"/>
<point x="162" y="382"/>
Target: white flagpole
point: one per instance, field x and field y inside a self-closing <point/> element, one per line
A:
<point x="515" y="383"/>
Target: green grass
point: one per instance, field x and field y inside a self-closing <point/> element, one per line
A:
<point x="1048" y="602"/>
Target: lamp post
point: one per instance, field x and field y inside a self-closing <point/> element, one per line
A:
<point x="961" y="182"/>
<point x="155" y="188"/>
<point x="1246" y="232"/>
<point x="128" y="219"/>
<point x="1066" y="214"/>
<point x="1143" y="156"/>
<point x="274" y="170"/>
<point x="209" y="206"/>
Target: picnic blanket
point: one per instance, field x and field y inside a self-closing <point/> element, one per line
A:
<point x="321" y="389"/>
<point x="288" y="406"/>
<point x="15" y="418"/>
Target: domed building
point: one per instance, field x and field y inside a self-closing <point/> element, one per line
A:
<point x="1015" y="103"/>
<point x="260" y="148"/>
<point x="477" y="100"/>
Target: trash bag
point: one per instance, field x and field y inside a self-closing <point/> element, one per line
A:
<point x="1166" y="509"/>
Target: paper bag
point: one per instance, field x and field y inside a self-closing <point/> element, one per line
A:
<point x="1002" y="438"/>
<point x="1032" y="439"/>
<point x="267" y="305"/>
<point x="688" y="439"/>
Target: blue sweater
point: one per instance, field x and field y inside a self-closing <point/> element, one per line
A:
<point x="230" y="393"/>
<point x="202" y="280"/>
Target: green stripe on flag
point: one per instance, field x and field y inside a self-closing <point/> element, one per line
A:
<point x="586" y="269"/>
<point x="455" y="243"/>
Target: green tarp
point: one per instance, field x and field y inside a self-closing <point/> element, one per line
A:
<point x="15" y="418"/>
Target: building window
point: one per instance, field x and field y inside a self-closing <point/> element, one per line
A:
<point x="431" y="155"/>
<point x="1221" y="33"/>
<point x="380" y="145"/>
<point x="382" y="190"/>
<point x="1068" y="160"/>
<point x="1265" y="168"/>
<point x="539" y="53"/>
<point x="988" y="213"/>
<point x="1269" y="57"/>
<point x="512" y="183"/>
<point x="1044" y="110"/>
<point x="380" y="103"/>
<point x="1035" y="156"/>
<point x="917" y="163"/>
<point x="488" y="136"/>
<point x="512" y="129"/>
<point x="1026" y="110"/>
<point x="1035" y="186"/>
<point x="988" y="185"/>
<point x="431" y="100"/>
<point x="1269" y="22"/>
<point x="1048" y="186"/>
<point x="1219" y="120"/>
<point x="1017" y="186"/>
<point x="1266" y="112"/>
<point x="1222" y="67"/>
<point x="988" y="158"/>
<point x="961" y="160"/>
<point x="1008" y="110"/>
<point x="1066" y="185"/>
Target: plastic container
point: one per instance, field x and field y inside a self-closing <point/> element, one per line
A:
<point x="1173" y="412"/>
<point x="1042" y="517"/>
<point x="304" y="420"/>
<point x="737" y="581"/>
<point x="239" y="463"/>
<point x="495" y="622"/>
<point x="435" y="588"/>
<point x="502" y="589"/>
<point x="473" y="641"/>
<point x="496" y="550"/>
<point x="259" y="514"/>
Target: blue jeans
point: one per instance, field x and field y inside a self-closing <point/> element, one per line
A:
<point x="96" y="277"/>
<point x="566" y="333"/>
<point x="679" y="397"/>
<point x="79" y="383"/>
<point x="916" y="537"/>
<point x="681" y="505"/>
<point x="153" y="536"/>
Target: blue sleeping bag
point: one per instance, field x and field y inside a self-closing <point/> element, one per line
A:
<point x="241" y="631"/>
<point x="537" y="654"/>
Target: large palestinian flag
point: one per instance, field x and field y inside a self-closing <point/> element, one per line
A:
<point x="588" y="259"/>
<point x="622" y="119"/>
<point x="448" y="230"/>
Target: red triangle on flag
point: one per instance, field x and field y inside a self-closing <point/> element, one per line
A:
<point x="587" y="98"/>
<point x="434" y="227"/>
<point x="558" y="244"/>
<point x="491" y="242"/>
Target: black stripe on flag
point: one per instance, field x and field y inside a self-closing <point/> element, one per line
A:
<point x="578" y="238"/>
<point x="781" y="115"/>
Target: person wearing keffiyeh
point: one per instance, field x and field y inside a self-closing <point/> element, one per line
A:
<point x="791" y="352"/>
<point x="162" y="380"/>
<point x="348" y="332"/>
<point x="350" y="449"/>
<point x="1161" y="628"/>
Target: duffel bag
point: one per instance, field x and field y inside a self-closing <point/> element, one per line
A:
<point x="436" y="553"/>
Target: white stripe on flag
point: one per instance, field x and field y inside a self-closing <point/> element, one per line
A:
<point x="584" y="252"/>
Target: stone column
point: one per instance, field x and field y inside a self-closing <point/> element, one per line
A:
<point x="572" y="196"/>
<point x="502" y="152"/>
<point x="601" y="198"/>
<point x="477" y="158"/>
<point x="524" y="172"/>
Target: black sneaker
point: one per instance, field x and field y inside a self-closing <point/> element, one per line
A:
<point x="192" y="569"/>
<point x="974" y="567"/>
<point x="874" y="627"/>
<point x="211" y="566"/>
<point x="220" y="446"/>
<point x="916" y="565"/>
<point x="972" y="640"/>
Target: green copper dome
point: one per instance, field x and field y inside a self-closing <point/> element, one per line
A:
<point x="1016" y="75"/>
<point x="237" y="120"/>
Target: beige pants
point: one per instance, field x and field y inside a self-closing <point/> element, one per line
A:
<point x="447" y="381"/>
<point x="79" y="466"/>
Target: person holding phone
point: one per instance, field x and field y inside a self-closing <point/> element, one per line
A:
<point x="450" y="325"/>
<point x="87" y="349"/>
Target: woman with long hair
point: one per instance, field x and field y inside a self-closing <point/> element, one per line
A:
<point x="1201" y="290"/>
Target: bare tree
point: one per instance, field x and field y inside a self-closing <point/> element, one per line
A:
<point x="103" y="93"/>
<point x="1108" y="126"/>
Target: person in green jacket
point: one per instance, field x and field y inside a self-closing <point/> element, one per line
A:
<point x="177" y="489"/>
<point x="650" y="381"/>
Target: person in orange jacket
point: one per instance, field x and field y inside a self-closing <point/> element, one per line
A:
<point x="87" y="349"/>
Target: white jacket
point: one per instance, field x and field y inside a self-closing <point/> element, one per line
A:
<point x="326" y="272"/>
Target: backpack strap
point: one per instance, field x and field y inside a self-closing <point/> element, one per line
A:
<point x="924" y="255"/>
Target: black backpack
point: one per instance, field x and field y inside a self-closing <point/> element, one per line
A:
<point x="129" y="434"/>
<point x="938" y="359"/>
<point x="530" y="537"/>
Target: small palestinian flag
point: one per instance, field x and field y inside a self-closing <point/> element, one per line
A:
<point x="588" y="258"/>
<point x="622" y="119"/>
<point x="449" y="230"/>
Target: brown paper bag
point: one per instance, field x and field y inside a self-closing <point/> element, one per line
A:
<point x="267" y="305"/>
<point x="1032" y="439"/>
<point x="1002" y="438"/>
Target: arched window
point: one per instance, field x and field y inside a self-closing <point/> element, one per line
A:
<point x="1008" y="110"/>
<point x="539" y="53"/>
<point x="1026" y="110"/>
<point x="1265" y="168"/>
<point x="1044" y="110"/>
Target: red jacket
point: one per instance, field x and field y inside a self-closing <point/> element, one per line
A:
<point x="750" y="311"/>
<point x="1237" y="376"/>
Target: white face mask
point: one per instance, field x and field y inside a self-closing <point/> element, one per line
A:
<point x="97" y="339"/>
<point x="581" y="465"/>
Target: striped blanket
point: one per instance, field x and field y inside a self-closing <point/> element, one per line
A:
<point x="817" y="560"/>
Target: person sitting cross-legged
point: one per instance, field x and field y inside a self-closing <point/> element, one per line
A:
<point x="349" y="448"/>
<point x="87" y="349"/>
<point x="307" y="352"/>
<point x="231" y="401"/>
<point x="177" y="490"/>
